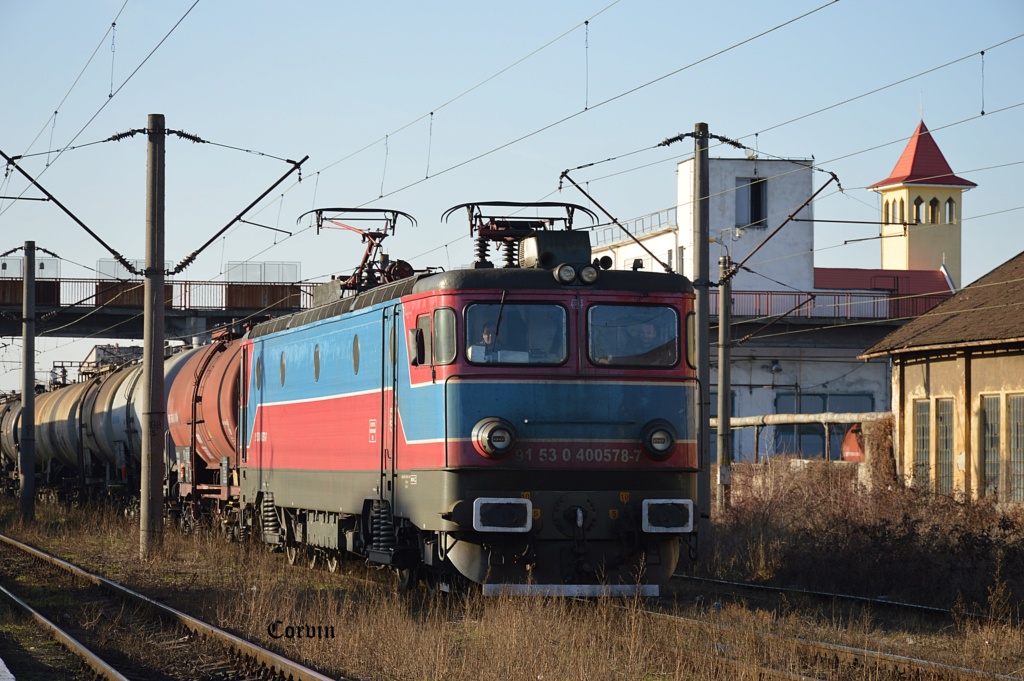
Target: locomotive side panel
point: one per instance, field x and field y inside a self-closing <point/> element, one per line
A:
<point x="315" y="415"/>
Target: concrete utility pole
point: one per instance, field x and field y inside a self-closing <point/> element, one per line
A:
<point x="154" y="410"/>
<point x="701" y="230"/>
<point x="724" y="382"/>
<point x="27" y="441"/>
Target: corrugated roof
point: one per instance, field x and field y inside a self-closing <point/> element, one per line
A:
<point x="922" y="163"/>
<point x="989" y="310"/>
<point x="901" y="282"/>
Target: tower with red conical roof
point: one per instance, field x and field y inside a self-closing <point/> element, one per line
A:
<point x="921" y="208"/>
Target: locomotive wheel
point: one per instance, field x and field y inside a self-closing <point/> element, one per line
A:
<point x="332" y="562"/>
<point x="408" y="578"/>
<point x="291" y="551"/>
<point x="313" y="556"/>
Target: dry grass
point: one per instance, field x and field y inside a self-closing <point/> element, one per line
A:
<point x="807" y="526"/>
<point x="808" y="523"/>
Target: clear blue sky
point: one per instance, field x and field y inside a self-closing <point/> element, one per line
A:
<point x="519" y="92"/>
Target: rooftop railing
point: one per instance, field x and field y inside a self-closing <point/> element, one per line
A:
<point x="655" y="222"/>
<point x="827" y="305"/>
<point x="205" y="295"/>
<point x="179" y="295"/>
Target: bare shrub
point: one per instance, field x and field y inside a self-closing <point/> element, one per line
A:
<point x="809" y="523"/>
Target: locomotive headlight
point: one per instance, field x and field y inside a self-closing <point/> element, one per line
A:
<point x="565" y="274"/>
<point x="588" y="274"/>
<point x="659" y="439"/>
<point x="494" y="437"/>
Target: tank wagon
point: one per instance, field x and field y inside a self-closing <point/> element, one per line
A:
<point x="528" y="427"/>
<point x="87" y="435"/>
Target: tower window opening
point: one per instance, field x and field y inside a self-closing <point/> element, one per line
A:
<point x="950" y="211"/>
<point x="885" y="212"/>
<point x="918" y="210"/>
<point x="933" y="211"/>
<point x="751" y="202"/>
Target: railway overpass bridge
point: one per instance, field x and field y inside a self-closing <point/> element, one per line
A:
<point x="113" y="308"/>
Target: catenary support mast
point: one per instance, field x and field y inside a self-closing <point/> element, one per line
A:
<point x="701" y="229"/>
<point x="153" y="408"/>
<point x="27" y="440"/>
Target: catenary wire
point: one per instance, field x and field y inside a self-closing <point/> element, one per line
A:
<point x="464" y="237"/>
<point x="110" y="98"/>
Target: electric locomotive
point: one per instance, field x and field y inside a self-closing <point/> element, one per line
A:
<point x="529" y="427"/>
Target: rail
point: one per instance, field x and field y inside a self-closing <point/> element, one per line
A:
<point x="278" y="665"/>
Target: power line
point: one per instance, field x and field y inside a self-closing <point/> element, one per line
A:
<point x="465" y="92"/>
<point x="557" y="122"/>
<point x="113" y="94"/>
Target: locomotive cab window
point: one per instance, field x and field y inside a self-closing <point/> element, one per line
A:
<point x="424" y="340"/>
<point x="444" y="335"/>
<point x="516" y="333"/>
<point x="633" y="335"/>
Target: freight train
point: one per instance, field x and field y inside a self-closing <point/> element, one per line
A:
<point x="529" y="427"/>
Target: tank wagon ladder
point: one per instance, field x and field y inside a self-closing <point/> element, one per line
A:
<point x="189" y="510"/>
<point x="82" y="429"/>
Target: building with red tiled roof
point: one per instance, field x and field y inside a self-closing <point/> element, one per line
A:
<point x="921" y="201"/>
<point x="912" y="292"/>
<point x="958" y="390"/>
<point x="922" y="163"/>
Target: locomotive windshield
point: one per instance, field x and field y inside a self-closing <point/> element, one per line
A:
<point x="634" y="335"/>
<point x="515" y="333"/>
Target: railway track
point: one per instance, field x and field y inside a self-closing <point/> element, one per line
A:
<point x="121" y="634"/>
<point x="773" y="596"/>
<point x="743" y="647"/>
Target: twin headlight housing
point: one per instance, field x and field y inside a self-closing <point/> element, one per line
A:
<point x="495" y="438"/>
<point x="566" y="274"/>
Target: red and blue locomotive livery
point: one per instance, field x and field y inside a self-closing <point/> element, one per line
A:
<point x="529" y="427"/>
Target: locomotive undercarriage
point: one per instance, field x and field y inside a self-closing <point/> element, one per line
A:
<point x="573" y="542"/>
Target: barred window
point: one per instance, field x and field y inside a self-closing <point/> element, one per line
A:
<point x="922" y="441"/>
<point x="944" y="445"/>
<point x="990" y="446"/>
<point x="1015" y="415"/>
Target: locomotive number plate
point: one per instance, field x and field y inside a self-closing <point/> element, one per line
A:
<point x="568" y="455"/>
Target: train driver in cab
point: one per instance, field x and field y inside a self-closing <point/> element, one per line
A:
<point x="487" y="336"/>
<point x="646" y="339"/>
<point x="483" y="349"/>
